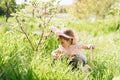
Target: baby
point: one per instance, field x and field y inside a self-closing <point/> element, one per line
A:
<point x="70" y="47"/>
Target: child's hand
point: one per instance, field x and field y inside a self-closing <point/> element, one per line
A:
<point x="91" y="46"/>
<point x="55" y="55"/>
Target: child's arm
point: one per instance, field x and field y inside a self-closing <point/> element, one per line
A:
<point x="89" y="46"/>
<point x="56" y="54"/>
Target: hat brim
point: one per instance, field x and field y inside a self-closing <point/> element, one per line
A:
<point x="64" y="35"/>
<point x="59" y="32"/>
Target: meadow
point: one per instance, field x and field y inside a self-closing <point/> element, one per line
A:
<point x="19" y="62"/>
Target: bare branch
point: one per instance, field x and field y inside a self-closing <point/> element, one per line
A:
<point x="50" y="19"/>
<point x="24" y="33"/>
<point x="41" y="37"/>
<point x="44" y="25"/>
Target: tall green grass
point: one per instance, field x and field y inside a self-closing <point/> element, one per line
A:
<point x="19" y="62"/>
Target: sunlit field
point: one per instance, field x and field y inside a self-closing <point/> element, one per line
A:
<point x="19" y="62"/>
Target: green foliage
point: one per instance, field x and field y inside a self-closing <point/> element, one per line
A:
<point x="114" y="10"/>
<point x="19" y="62"/>
<point x="2" y="10"/>
<point x="12" y="6"/>
<point x="86" y="8"/>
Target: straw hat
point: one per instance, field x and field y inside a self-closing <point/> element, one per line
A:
<point x="59" y="32"/>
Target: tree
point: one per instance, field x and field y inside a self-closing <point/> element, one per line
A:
<point x="85" y="8"/>
<point x="37" y="12"/>
<point x="114" y="10"/>
<point x="7" y="7"/>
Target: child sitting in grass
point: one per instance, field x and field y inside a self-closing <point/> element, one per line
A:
<point x="70" y="46"/>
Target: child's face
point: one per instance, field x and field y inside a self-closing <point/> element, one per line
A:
<point x="64" y="43"/>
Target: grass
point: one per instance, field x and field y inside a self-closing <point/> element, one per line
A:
<point x="19" y="62"/>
